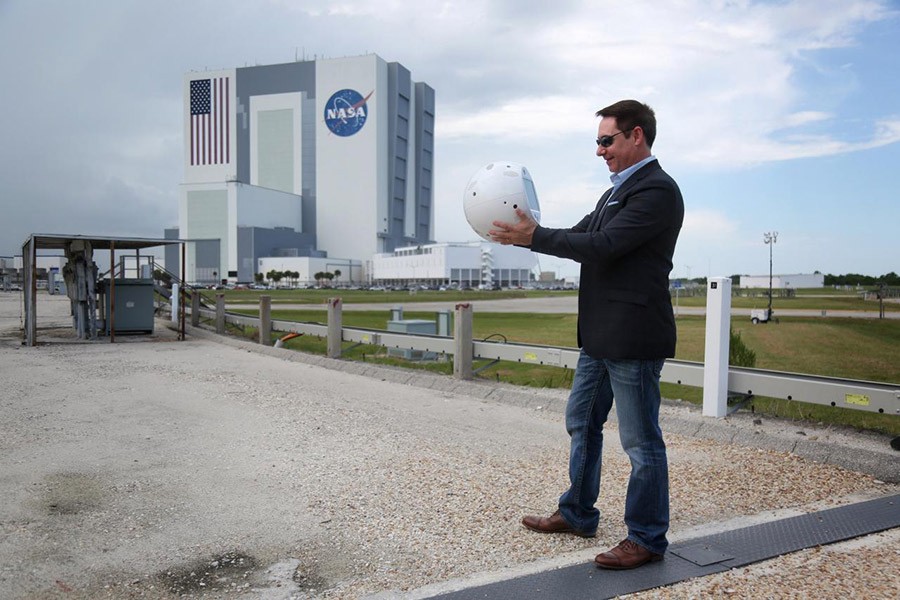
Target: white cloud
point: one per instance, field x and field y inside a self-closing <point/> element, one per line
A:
<point x="724" y="73"/>
<point x="805" y="117"/>
<point x="533" y="118"/>
<point x="707" y="225"/>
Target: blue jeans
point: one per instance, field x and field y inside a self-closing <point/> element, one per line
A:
<point x="635" y="386"/>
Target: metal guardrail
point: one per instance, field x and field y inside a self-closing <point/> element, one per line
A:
<point x="830" y="391"/>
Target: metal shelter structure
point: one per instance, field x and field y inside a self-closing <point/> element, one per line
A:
<point x="79" y="249"/>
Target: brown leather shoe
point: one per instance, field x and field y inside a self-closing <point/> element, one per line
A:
<point x="627" y="555"/>
<point x="555" y="523"/>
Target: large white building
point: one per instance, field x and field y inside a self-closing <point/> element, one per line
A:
<point x="779" y="282"/>
<point x="321" y="159"/>
<point x="475" y="264"/>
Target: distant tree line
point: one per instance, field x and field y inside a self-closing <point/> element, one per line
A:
<point x="890" y="279"/>
<point x="852" y="279"/>
<point x="291" y="277"/>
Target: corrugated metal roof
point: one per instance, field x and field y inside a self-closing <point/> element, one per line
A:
<point x="60" y="240"/>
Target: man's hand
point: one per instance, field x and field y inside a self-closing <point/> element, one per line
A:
<point x="518" y="233"/>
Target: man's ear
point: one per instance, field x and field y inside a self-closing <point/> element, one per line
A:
<point x="637" y="135"/>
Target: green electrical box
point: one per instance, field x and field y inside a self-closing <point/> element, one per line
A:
<point x="133" y="305"/>
<point x="412" y="326"/>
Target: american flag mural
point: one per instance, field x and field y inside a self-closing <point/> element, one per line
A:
<point x="210" y="124"/>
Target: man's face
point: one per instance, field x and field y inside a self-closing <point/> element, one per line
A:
<point x="623" y="152"/>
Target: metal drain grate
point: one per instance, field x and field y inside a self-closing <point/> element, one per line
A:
<point x="699" y="556"/>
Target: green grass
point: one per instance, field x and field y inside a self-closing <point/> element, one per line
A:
<point x="800" y="302"/>
<point x="867" y="349"/>
<point x="831" y="291"/>
<point x="812" y="299"/>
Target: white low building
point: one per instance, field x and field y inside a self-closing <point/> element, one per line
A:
<point x="53" y="262"/>
<point x="472" y="264"/>
<point x="783" y="282"/>
<point x="345" y="271"/>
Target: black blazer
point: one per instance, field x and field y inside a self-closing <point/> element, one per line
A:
<point x="625" y="248"/>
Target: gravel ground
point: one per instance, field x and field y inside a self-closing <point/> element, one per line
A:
<point x="163" y="469"/>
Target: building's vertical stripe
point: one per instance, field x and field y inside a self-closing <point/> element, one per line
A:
<point x="208" y="119"/>
<point x="214" y="107"/>
<point x="227" y="123"/>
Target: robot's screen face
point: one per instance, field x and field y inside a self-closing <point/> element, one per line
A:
<point x="495" y="192"/>
<point x="531" y="195"/>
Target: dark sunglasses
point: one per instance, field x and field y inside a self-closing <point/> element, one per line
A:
<point x="607" y="140"/>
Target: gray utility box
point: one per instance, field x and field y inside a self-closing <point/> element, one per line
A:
<point x="134" y="305"/>
<point x="412" y="326"/>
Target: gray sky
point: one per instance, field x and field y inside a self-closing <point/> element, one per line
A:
<point x="772" y="115"/>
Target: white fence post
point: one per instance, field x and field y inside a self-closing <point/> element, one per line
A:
<point x="265" y="320"/>
<point x="718" y="336"/>
<point x="335" y="328"/>
<point x="220" y="313"/>
<point x="462" y="334"/>
<point x="195" y="308"/>
<point x="176" y="301"/>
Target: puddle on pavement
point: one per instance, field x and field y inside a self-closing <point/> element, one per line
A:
<point x="71" y="493"/>
<point x="230" y="571"/>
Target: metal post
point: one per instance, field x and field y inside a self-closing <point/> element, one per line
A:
<point x="444" y="322"/>
<point x="112" y="292"/>
<point x="335" y="326"/>
<point x="770" y="239"/>
<point x="718" y="337"/>
<point x="462" y="335"/>
<point x="770" y="278"/>
<point x="181" y="312"/>
<point x="29" y="264"/>
<point x="220" y="313"/>
<point x="265" y="320"/>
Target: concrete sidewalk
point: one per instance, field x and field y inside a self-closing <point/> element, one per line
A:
<point x="219" y="468"/>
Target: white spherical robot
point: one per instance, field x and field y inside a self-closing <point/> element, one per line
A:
<point x="494" y="193"/>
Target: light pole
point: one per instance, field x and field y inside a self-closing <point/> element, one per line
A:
<point x="770" y="239"/>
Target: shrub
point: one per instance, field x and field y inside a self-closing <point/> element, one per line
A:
<point x="739" y="355"/>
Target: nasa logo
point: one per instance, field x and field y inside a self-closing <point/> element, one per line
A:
<point x="346" y="111"/>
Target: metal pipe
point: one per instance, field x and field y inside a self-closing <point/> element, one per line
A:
<point x="112" y="292"/>
<point x="181" y="304"/>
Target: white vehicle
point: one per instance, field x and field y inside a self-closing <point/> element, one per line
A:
<point x="762" y="315"/>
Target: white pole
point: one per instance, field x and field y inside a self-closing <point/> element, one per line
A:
<point x="718" y="329"/>
<point x="175" y="300"/>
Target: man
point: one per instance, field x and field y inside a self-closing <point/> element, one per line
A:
<point x="626" y="329"/>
